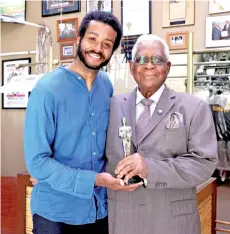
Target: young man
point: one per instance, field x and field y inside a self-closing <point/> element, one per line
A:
<point x="173" y="146"/>
<point x="65" y="131"/>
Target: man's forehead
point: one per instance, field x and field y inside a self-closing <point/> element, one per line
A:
<point x="153" y="47"/>
<point x="99" y="24"/>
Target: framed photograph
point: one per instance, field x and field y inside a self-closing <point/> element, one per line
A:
<point x="133" y="25"/>
<point x="177" y="40"/>
<point x="99" y="5"/>
<point x="54" y="7"/>
<point x="218" y="31"/>
<point x="131" y="21"/>
<point x="65" y="63"/>
<point x="67" y="29"/>
<point x="218" y="6"/>
<point x="13" y="9"/>
<point x="14" y="100"/>
<point x="178" y="13"/>
<point x="67" y="50"/>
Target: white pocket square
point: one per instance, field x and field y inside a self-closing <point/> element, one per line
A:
<point x="175" y="120"/>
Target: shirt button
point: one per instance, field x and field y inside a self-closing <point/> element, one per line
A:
<point x="93" y="133"/>
<point x="94" y="153"/>
<point x="92" y="113"/>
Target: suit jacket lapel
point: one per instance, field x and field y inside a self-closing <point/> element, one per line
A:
<point x="129" y="111"/>
<point x="163" y="106"/>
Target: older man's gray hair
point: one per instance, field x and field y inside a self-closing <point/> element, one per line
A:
<point x="147" y="39"/>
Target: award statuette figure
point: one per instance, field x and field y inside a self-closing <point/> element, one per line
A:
<point x="125" y="133"/>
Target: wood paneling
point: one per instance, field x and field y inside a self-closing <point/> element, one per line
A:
<point x="23" y="180"/>
<point x="8" y="205"/>
<point x="206" y="197"/>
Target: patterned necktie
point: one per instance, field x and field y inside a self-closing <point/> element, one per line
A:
<point x="144" y="118"/>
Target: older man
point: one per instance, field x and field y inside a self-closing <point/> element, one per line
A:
<point x="173" y="147"/>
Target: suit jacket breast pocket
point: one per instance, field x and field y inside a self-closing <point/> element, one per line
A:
<point x="176" y="141"/>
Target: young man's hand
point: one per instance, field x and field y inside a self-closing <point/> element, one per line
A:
<point x="107" y="180"/>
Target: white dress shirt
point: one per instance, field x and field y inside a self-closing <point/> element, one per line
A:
<point x="155" y="97"/>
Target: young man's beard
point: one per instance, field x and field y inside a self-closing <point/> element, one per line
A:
<point x="82" y="58"/>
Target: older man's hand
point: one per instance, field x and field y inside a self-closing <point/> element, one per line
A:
<point x="33" y="181"/>
<point x="130" y="166"/>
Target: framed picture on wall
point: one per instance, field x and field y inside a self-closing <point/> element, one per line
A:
<point x="177" y="40"/>
<point x="178" y="13"/>
<point x="218" y="31"/>
<point x="13" y="9"/>
<point x="19" y="99"/>
<point x="54" y="7"/>
<point x="65" y="63"/>
<point x="67" y="50"/>
<point x="218" y="6"/>
<point x="99" y="5"/>
<point x="67" y="29"/>
<point x="132" y="23"/>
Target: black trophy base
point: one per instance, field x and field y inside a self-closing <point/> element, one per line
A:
<point x="134" y="180"/>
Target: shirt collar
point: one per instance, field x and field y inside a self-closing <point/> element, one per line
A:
<point x="155" y="97"/>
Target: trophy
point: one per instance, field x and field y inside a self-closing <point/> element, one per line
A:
<point x="125" y="133"/>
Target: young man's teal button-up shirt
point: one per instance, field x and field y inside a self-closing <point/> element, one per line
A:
<point x="64" y="141"/>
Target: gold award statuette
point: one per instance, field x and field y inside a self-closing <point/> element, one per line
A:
<point x="125" y="133"/>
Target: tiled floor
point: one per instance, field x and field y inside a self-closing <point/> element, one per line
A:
<point x="223" y="205"/>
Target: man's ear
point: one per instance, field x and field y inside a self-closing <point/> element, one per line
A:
<point x="131" y="64"/>
<point x="168" y="66"/>
<point x="78" y="41"/>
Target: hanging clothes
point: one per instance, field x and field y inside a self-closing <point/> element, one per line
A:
<point x="219" y="104"/>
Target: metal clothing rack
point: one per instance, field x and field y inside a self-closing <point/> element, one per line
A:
<point x="50" y="63"/>
<point x="227" y="224"/>
<point x="190" y="88"/>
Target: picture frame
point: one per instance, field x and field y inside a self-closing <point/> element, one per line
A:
<point x="178" y="13"/>
<point x="17" y="11"/>
<point x="14" y="100"/>
<point x="52" y="7"/>
<point x="177" y="40"/>
<point x="218" y="6"/>
<point x="67" y="50"/>
<point x="133" y="25"/>
<point x="65" y="63"/>
<point x="218" y="31"/>
<point x="100" y="5"/>
<point x="67" y="30"/>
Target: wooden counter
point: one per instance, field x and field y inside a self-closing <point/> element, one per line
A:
<point x="206" y="197"/>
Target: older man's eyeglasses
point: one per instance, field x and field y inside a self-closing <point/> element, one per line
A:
<point x="158" y="60"/>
